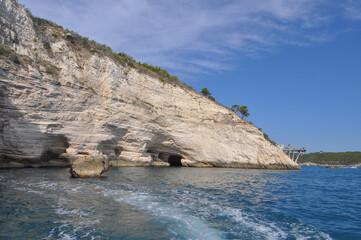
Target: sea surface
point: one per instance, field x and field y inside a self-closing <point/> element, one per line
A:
<point x="181" y="203"/>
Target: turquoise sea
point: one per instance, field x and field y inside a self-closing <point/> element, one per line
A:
<point x="181" y="203"/>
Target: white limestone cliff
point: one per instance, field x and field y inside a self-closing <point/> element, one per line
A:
<point x="60" y="99"/>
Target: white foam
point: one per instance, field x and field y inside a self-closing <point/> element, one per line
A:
<point x="68" y="232"/>
<point x="75" y="189"/>
<point x="62" y="233"/>
<point x="36" y="192"/>
<point x="74" y="212"/>
<point x="183" y="224"/>
<point x="61" y="209"/>
<point x="304" y="233"/>
<point x="184" y="211"/>
<point x="249" y="223"/>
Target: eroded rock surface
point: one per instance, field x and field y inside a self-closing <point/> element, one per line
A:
<point x="58" y="93"/>
<point x="89" y="166"/>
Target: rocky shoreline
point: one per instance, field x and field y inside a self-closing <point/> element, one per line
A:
<point x="119" y="163"/>
<point x="31" y="164"/>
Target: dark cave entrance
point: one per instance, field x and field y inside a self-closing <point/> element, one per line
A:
<point x="118" y="151"/>
<point x="175" y="160"/>
<point x="57" y="144"/>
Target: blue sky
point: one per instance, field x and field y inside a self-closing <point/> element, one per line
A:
<point x="296" y="64"/>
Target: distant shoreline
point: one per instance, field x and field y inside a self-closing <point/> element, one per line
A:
<point x="326" y="159"/>
<point x="327" y="165"/>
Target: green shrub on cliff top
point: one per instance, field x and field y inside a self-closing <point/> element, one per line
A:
<point x="124" y="58"/>
<point x="266" y="136"/>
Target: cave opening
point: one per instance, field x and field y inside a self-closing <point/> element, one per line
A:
<point x="118" y="151"/>
<point x="175" y="160"/>
<point x="57" y="144"/>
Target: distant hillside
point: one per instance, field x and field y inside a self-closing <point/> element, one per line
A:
<point x="331" y="158"/>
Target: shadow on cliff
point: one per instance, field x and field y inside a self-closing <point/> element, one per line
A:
<point x="22" y="141"/>
<point x="111" y="147"/>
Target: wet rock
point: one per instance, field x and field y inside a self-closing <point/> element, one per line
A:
<point x="89" y="166"/>
<point x="189" y="163"/>
<point x="128" y="164"/>
<point x="160" y="164"/>
<point x="332" y="167"/>
<point x="12" y="164"/>
<point x="57" y="163"/>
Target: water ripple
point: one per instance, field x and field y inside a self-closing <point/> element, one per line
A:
<point x="181" y="203"/>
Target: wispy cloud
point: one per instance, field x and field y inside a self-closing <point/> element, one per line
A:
<point x="353" y="10"/>
<point x="198" y="36"/>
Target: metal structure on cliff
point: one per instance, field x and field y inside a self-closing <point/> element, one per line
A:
<point x="294" y="151"/>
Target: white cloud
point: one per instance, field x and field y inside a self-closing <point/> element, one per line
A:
<point x="353" y="10"/>
<point x="196" y="36"/>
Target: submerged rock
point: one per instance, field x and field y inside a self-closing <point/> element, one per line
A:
<point x="89" y="166"/>
<point x="67" y="92"/>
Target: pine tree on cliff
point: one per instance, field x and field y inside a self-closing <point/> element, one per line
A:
<point x="207" y="94"/>
<point x="243" y="110"/>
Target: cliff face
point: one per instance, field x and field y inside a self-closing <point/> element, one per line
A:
<point x="57" y="96"/>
